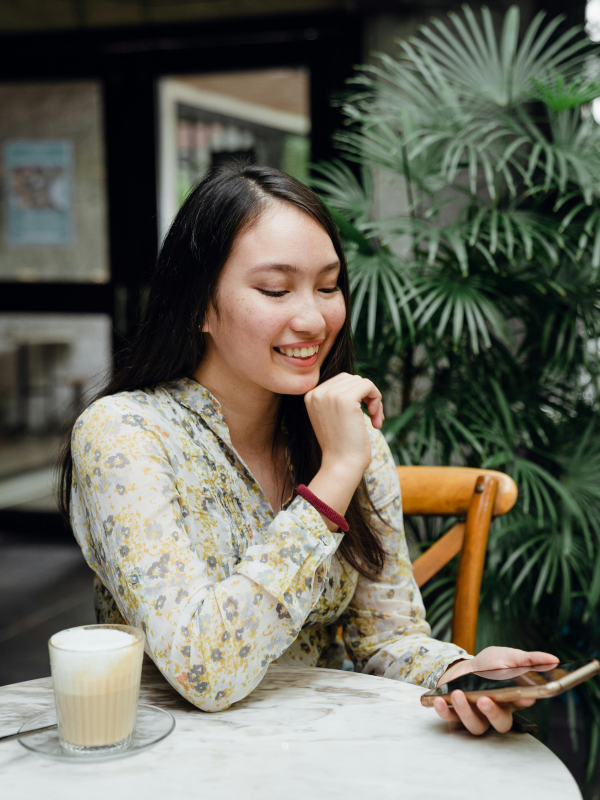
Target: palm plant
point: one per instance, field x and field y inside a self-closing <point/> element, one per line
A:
<point x="477" y="302"/>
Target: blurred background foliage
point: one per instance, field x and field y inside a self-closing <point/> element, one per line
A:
<point x="477" y="306"/>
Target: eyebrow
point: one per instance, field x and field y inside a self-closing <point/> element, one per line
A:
<point x="291" y="269"/>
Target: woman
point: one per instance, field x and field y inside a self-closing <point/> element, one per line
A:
<point x="239" y="387"/>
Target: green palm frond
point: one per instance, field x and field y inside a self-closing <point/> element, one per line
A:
<point x="580" y="465"/>
<point x="461" y="302"/>
<point x="430" y="429"/>
<point x="380" y="276"/>
<point x="343" y="191"/>
<point x="499" y="72"/>
<point x="560" y="96"/>
<point x="378" y="143"/>
<point x="352" y="233"/>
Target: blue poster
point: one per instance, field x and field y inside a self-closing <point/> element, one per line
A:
<point x="38" y="191"/>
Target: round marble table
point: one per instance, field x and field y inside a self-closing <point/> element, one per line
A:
<point x="303" y="733"/>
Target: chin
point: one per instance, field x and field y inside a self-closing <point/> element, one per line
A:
<point x="299" y="384"/>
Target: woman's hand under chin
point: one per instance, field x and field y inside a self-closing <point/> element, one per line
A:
<point x="478" y="718"/>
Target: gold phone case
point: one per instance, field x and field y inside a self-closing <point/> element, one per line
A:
<point x="510" y="694"/>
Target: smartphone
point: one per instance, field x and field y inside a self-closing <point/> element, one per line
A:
<point x="517" y="683"/>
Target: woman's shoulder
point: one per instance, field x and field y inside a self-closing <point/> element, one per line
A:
<point x="116" y="413"/>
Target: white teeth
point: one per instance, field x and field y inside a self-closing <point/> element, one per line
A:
<point x="299" y="352"/>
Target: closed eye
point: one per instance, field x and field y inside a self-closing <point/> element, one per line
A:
<point x="268" y="293"/>
<point x="272" y="294"/>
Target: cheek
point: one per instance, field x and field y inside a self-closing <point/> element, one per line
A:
<point x="335" y="315"/>
<point x="247" y="321"/>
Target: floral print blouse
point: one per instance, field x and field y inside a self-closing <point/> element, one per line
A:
<point x="185" y="545"/>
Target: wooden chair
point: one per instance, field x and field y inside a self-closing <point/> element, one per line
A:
<point x="476" y="494"/>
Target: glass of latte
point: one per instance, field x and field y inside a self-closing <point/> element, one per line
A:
<point x="96" y="670"/>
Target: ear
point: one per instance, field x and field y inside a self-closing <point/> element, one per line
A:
<point x="209" y="319"/>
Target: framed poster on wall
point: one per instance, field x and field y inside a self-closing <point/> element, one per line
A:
<point x="38" y="192"/>
<point x="54" y="225"/>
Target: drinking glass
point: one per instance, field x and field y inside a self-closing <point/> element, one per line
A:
<point x="96" y="678"/>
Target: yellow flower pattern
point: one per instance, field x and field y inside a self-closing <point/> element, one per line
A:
<point x="185" y="545"/>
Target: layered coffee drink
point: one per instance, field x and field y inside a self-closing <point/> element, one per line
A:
<point x="96" y="671"/>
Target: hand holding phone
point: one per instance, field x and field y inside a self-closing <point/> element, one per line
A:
<point x="478" y="699"/>
<point x="478" y="717"/>
<point x="516" y="683"/>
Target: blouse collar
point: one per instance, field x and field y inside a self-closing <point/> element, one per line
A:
<point x="198" y="399"/>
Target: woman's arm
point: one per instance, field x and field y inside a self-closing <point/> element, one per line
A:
<point x="384" y="627"/>
<point x="213" y="640"/>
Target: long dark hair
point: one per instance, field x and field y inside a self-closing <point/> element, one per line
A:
<point x="169" y="343"/>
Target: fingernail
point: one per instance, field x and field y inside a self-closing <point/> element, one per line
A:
<point x="485" y="705"/>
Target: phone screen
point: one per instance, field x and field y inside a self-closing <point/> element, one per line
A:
<point x="509" y="678"/>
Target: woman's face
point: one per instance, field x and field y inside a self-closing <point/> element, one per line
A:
<point x="279" y="306"/>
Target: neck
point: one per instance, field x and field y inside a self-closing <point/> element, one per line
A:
<point x="251" y="412"/>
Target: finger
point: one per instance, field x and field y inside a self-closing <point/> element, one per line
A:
<point x="443" y="711"/>
<point x="531" y="658"/>
<point x="525" y="703"/>
<point x="359" y="390"/>
<point x="515" y="705"/>
<point x="499" y="718"/>
<point x="538" y="657"/>
<point x="371" y="396"/>
<point x="475" y="722"/>
<point x="363" y="390"/>
<point x="340" y="379"/>
<point x="334" y="384"/>
<point x="375" y="409"/>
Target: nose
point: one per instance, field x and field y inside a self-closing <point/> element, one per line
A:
<point x="307" y="317"/>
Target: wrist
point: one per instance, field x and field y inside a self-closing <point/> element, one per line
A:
<point x="329" y="514"/>
<point x="342" y="471"/>
<point x="455" y="670"/>
<point x="334" y="489"/>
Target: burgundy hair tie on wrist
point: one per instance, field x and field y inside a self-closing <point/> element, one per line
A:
<point x="323" y="508"/>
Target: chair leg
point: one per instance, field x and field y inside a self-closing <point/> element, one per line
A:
<point x="470" y="565"/>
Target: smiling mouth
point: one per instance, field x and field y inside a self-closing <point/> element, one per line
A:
<point x="298" y="352"/>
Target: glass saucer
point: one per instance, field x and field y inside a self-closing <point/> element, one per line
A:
<point x="153" y="724"/>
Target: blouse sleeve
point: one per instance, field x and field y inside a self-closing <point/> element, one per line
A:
<point x="213" y="641"/>
<point x="384" y="627"/>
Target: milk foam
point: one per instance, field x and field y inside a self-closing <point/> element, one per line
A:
<point x="85" y="640"/>
<point x="83" y="655"/>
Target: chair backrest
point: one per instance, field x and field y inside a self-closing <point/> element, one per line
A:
<point x="478" y="495"/>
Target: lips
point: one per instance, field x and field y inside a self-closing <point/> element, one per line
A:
<point x="299" y="361"/>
